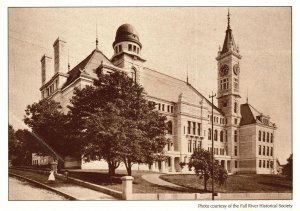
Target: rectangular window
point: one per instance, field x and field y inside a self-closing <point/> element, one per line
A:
<point x="259" y="135"/>
<point x="190" y="146"/>
<point x="158" y="106"/>
<point x="195" y="145"/>
<point x="235" y="164"/>
<point x="264" y="150"/>
<point x="264" y="164"/>
<point x="235" y="150"/>
<point x="134" y="48"/>
<point x="120" y="48"/>
<point x="264" y="136"/>
<point x="235" y="136"/>
<point x="235" y="121"/>
<point x="163" y="107"/>
<point x="168" y="108"/>
<point x="226" y="136"/>
<point x="224" y="84"/>
<point x="138" y="50"/>
<point x="189" y="127"/>
<point x="268" y="151"/>
<point x="194" y="128"/>
<point x="259" y="164"/>
<point x="271" y="137"/>
<point x="271" y="164"/>
<point x="199" y="129"/>
<point x="271" y="151"/>
<point x="259" y="149"/>
<point x="129" y="47"/>
<point x="172" y="109"/>
<point x="199" y="144"/>
<point x="268" y="137"/>
<point x="268" y="164"/>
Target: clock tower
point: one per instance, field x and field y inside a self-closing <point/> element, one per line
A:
<point x="228" y="88"/>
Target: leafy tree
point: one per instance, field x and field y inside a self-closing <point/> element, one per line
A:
<point x="116" y="122"/>
<point x="49" y="125"/>
<point x="202" y="163"/>
<point x="288" y="168"/>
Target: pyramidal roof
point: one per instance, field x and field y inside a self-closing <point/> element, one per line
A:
<point x="229" y="43"/>
<point x="87" y="66"/>
<point x="251" y="115"/>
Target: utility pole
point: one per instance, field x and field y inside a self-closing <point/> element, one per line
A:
<point x="212" y="142"/>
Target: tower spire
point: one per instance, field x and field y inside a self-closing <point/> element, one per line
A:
<point x="96" y="34"/>
<point x="228" y="19"/>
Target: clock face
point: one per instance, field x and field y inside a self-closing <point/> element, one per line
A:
<point x="236" y="69"/>
<point x="224" y="70"/>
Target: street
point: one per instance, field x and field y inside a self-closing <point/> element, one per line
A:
<point x="22" y="190"/>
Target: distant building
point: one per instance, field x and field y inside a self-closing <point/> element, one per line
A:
<point x="38" y="160"/>
<point x="243" y="137"/>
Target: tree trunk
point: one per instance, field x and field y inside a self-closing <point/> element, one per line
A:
<point x="205" y="184"/>
<point x="128" y="165"/>
<point x="112" y="166"/>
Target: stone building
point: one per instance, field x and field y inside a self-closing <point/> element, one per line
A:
<point x="243" y="137"/>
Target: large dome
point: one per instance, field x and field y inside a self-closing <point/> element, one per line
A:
<point x="127" y="32"/>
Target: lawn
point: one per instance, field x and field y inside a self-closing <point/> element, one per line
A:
<point x="236" y="183"/>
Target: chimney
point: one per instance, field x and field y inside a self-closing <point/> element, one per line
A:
<point x="45" y="67"/>
<point x="60" y="56"/>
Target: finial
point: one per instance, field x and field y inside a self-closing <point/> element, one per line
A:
<point x="68" y="61"/>
<point x="228" y="19"/>
<point x="96" y="34"/>
<point x="187" y="75"/>
<point x="247" y="96"/>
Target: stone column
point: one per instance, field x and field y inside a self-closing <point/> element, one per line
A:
<point x="172" y="164"/>
<point x="225" y="165"/>
<point x="163" y="167"/>
<point x="127" y="187"/>
<point x="152" y="168"/>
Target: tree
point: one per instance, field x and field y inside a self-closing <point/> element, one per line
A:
<point x="288" y="168"/>
<point x="116" y="121"/>
<point x="202" y="163"/>
<point x="49" y="125"/>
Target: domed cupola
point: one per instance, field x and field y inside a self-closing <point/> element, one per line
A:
<point x="127" y="46"/>
<point x="127" y="32"/>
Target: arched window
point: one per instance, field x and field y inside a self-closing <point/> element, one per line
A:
<point x="235" y="107"/>
<point x="169" y="127"/>
<point x="221" y="135"/>
<point x="216" y="135"/>
<point x="133" y="74"/>
<point x="209" y="134"/>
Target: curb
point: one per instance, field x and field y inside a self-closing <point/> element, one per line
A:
<point x="67" y="196"/>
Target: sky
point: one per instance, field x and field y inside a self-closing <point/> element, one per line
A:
<point x="175" y="40"/>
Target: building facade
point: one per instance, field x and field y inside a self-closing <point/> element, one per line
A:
<point x="243" y="137"/>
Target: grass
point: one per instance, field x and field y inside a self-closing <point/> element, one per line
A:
<point x="253" y="183"/>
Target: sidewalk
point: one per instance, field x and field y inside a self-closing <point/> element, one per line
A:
<point x="154" y="179"/>
<point x="76" y="191"/>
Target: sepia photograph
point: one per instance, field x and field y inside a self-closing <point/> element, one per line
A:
<point x="150" y="104"/>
